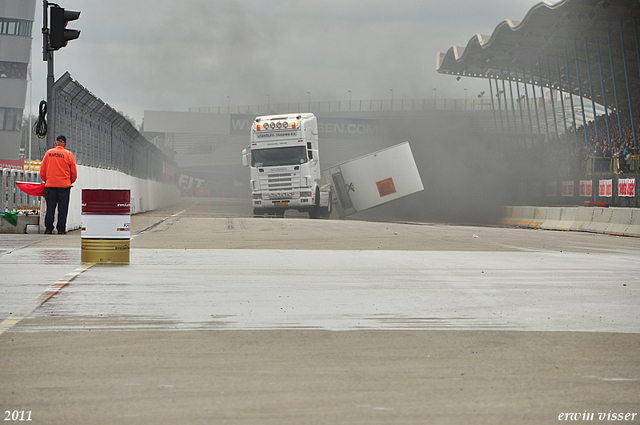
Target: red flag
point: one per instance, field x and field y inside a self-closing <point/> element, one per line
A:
<point x="35" y="189"/>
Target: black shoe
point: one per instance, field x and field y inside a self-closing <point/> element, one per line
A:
<point x="48" y="232"/>
<point x="62" y="233"/>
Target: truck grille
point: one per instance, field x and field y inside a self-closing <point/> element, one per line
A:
<point x="280" y="181"/>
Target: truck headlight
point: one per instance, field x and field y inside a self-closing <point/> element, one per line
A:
<point x="256" y="196"/>
<point x="306" y="194"/>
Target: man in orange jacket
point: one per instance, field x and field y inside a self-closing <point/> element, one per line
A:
<point x="58" y="170"/>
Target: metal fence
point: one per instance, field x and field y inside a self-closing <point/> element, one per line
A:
<point x="533" y="114"/>
<point x="100" y="137"/>
<point x="13" y="198"/>
<point x="470" y="104"/>
<point x="606" y="166"/>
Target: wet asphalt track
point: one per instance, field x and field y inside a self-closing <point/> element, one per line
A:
<point x="529" y="323"/>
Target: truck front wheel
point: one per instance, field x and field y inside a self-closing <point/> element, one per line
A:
<point x="325" y="212"/>
<point x="316" y="211"/>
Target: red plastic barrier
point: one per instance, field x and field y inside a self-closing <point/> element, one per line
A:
<point x="596" y="204"/>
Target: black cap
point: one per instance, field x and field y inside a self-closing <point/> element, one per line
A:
<point x="61" y="139"/>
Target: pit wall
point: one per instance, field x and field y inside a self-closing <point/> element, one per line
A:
<point x="611" y="221"/>
<point x="146" y="195"/>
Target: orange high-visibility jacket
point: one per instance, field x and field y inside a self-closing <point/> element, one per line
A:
<point x="58" y="168"/>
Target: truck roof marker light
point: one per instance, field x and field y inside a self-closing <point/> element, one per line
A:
<point x="293" y="125"/>
<point x="258" y="127"/>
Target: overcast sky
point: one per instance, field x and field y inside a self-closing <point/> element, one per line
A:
<point x="140" y="55"/>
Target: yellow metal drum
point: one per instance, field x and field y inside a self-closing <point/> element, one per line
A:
<point x="105" y="251"/>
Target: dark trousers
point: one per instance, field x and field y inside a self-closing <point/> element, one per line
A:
<point x="57" y="197"/>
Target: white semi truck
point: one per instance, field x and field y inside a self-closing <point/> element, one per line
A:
<point x="284" y="160"/>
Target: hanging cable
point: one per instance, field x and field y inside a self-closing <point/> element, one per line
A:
<point x="40" y="126"/>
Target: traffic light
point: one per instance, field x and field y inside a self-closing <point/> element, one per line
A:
<point x="59" y="35"/>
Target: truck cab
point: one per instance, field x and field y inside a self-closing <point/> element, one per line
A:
<point x="284" y="162"/>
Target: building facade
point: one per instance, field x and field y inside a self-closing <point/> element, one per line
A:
<point x="16" y="35"/>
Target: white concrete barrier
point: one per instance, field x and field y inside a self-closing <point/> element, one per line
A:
<point x="634" y="228"/>
<point x="601" y="220"/>
<point x="508" y="215"/>
<point x="620" y="221"/>
<point x="539" y="216"/>
<point x="552" y="222"/>
<point x="568" y="217"/>
<point x="584" y="218"/>
<point x="146" y="195"/>
<point x="522" y="216"/>
<point x="614" y="221"/>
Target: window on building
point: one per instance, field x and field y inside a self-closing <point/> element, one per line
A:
<point x="13" y="70"/>
<point x="10" y="119"/>
<point x="20" y="27"/>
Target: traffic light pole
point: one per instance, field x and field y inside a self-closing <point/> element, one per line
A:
<point x="54" y="36"/>
<point x="47" y="55"/>
<point x="50" y="103"/>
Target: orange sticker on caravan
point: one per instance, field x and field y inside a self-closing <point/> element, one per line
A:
<point x="386" y="187"/>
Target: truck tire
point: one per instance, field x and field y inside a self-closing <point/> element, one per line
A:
<point x="315" y="212"/>
<point x="325" y="212"/>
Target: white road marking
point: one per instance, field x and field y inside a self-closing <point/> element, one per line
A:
<point x="43" y="298"/>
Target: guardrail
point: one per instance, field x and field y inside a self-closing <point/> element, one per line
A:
<point x="11" y="197"/>
<point x="603" y="166"/>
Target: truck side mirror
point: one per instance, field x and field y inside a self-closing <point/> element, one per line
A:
<point x="245" y="158"/>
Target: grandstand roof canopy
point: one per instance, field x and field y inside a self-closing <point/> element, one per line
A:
<point x="581" y="40"/>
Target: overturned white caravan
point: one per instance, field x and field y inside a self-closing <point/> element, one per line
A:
<point x="374" y="179"/>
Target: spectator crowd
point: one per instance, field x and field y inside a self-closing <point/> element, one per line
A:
<point x="620" y="147"/>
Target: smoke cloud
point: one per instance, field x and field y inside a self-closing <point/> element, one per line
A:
<point x="169" y="55"/>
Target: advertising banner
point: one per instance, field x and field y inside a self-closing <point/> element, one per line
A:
<point x="551" y="188"/>
<point x="605" y="188"/>
<point x="586" y="188"/>
<point x="627" y="187"/>
<point x="328" y="127"/>
<point x="12" y="164"/>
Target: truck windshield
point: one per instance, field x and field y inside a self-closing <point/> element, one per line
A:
<point x="278" y="156"/>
